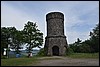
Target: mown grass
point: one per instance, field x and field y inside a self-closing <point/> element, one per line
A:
<point x="18" y="61"/>
<point x="25" y="61"/>
<point x="84" y="55"/>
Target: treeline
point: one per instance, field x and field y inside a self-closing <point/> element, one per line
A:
<point x="90" y="45"/>
<point x="11" y="38"/>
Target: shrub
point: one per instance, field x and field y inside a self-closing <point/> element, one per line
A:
<point x="69" y="51"/>
<point x="41" y="52"/>
<point x="3" y="57"/>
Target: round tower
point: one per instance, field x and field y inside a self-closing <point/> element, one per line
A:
<point x="55" y="24"/>
<point x="55" y="41"/>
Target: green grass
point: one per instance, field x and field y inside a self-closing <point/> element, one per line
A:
<point x="18" y="61"/>
<point x="84" y="55"/>
<point x="24" y="61"/>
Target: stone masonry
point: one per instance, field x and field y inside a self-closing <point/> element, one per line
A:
<point x="55" y="41"/>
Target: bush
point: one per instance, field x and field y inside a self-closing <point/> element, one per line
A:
<point x="69" y="51"/>
<point x="41" y="52"/>
<point x="3" y="57"/>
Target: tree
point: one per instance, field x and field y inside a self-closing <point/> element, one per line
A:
<point x="78" y="41"/>
<point x="86" y="46"/>
<point x="76" y="45"/>
<point x="17" y="40"/>
<point x="94" y="39"/>
<point x="90" y="45"/>
<point x="11" y="36"/>
<point x="32" y="36"/>
<point x="4" y="38"/>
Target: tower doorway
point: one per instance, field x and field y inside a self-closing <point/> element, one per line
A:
<point x="55" y="51"/>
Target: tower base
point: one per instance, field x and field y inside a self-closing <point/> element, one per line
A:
<point x="55" y="45"/>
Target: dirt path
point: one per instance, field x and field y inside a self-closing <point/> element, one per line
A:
<point x="64" y="61"/>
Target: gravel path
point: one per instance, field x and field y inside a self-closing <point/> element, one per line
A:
<point x="64" y="61"/>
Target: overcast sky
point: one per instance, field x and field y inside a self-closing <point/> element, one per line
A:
<point x="80" y="17"/>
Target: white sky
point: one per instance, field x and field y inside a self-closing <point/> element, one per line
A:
<point x="80" y="16"/>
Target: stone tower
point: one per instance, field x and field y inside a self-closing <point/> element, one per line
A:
<point x="55" y="41"/>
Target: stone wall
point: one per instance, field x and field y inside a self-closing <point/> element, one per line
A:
<point x="55" y="33"/>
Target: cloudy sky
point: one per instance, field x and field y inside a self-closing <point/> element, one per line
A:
<point x="80" y="17"/>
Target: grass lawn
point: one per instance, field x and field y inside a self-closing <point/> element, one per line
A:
<point x="18" y="61"/>
<point x="84" y="55"/>
<point x="24" y="61"/>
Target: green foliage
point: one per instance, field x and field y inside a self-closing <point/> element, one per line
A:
<point x="11" y="36"/>
<point x="41" y="52"/>
<point x="84" y="48"/>
<point x="4" y="38"/>
<point x="75" y="46"/>
<point x="17" y="40"/>
<point x="88" y="46"/>
<point x="3" y="57"/>
<point x="94" y="39"/>
<point x="78" y="41"/>
<point x="69" y="51"/>
<point x="32" y="36"/>
<point x="84" y="55"/>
